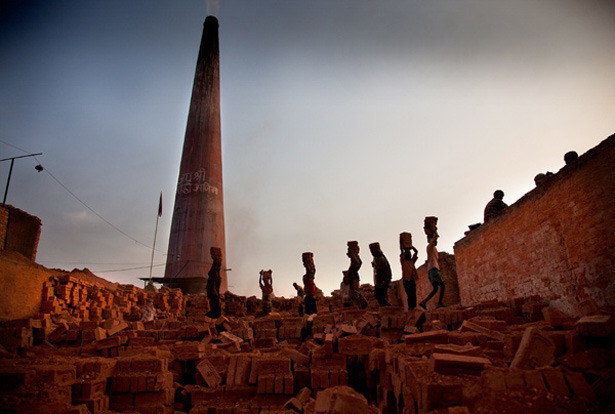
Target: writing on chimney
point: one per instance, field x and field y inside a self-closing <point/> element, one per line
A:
<point x="195" y="182"/>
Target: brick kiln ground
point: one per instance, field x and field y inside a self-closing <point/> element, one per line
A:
<point x="86" y="352"/>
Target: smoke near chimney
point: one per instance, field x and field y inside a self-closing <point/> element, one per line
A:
<point x="212" y="7"/>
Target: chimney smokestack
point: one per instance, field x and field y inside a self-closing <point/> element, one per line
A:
<point x="198" y="215"/>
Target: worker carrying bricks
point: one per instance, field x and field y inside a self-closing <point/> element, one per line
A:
<point x="300" y="295"/>
<point x="352" y="275"/>
<point x="433" y="264"/>
<point x="382" y="274"/>
<point x="265" y="281"/>
<point x="495" y="206"/>
<point x="309" y="286"/>
<point x="213" y="283"/>
<point x="408" y="257"/>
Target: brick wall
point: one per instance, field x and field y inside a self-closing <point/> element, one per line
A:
<point x="558" y="241"/>
<point x="21" y="284"/>
<point x="19" y="231"/>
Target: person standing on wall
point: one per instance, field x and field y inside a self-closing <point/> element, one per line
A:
<point x="495" y="206"/>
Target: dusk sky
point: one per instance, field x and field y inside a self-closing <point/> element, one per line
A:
<point x="341" y="120"/>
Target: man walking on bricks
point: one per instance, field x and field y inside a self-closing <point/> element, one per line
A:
<point x="434" y="275"/>
<point x="382" y="274"/>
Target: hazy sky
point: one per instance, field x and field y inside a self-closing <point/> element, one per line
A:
<point x="341" y="120"/>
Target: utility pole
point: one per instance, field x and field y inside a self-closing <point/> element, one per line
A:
<point x="8" y="181"/>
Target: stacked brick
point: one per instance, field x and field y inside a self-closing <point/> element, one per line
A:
<point x="523" y="355"/>
<point x="85" y="300"/>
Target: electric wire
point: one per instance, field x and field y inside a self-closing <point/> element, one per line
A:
<point x="83" y="203"/>
<point x="126" y="269"/>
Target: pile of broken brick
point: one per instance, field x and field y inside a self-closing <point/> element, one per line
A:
<point x="88" y="352"/>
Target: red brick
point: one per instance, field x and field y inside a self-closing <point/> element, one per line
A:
<point x="556" y="382"/>
<point x="108" y="343"/>
<point x="450" y="364"/>
<point x="596" y="325"/>
<point x="296" y="356"/>
<point x="208" y="373"/>
<point x="535" y="350"/>
<point x="579" y="386"/>
<point x="473" y="326"/>
<point x="88" y="390"/>
<point x="56" y="374"/>
<point x="96" y="405"/>
<point x="438" y="337"/>
<point x="467" y="350"/>
<point x="440" y="395"/>
<point x="272" y="365"/>
<point x="278" y="386"/>
<point x="514" y="378"/>
<point x="535" y="379"/>
<point x="557" y="318"/>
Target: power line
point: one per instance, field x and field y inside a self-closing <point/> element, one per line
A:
<point x="89" y="263"/>
<point x="125" y="269"/>
<point x="83" y="203"/>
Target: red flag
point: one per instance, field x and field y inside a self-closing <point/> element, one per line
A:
<point x="160" y="206"/>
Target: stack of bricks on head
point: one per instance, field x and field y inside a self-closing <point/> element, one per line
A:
<point x="87" y="352"/>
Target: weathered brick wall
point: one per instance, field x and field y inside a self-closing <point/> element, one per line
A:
<point x="19" y="231"/>
<point x="21" y="284"/>
<point x="558" y="241"/>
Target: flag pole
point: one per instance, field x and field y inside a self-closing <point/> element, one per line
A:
<point x="151" y="265"/>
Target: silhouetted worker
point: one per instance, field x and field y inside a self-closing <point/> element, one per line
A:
<point x="356" y="297"/>
<point x="542" y="177"/>
<point x="213" y="283"/>
<point x="409" y="275"/>
<point x="434" y="275"/>
<point x="265" y="281"/>
<point x="382" y="274"/>
<point x="570" y="156"/>
<point x="309" y="286"/>
<point x="300" y="295"/>
<point x="299" y="290"/>
<point x="495" y="206"/>
<point x="345" y="290"/>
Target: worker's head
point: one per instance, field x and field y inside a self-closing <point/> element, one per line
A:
<point x="374" y="248"/>
<point x="499" y="194"/>
<point x="570" y="156"/>
<point x="433" y="238"/>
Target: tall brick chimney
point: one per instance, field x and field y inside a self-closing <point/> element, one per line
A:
<point x="198" y="215"/>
